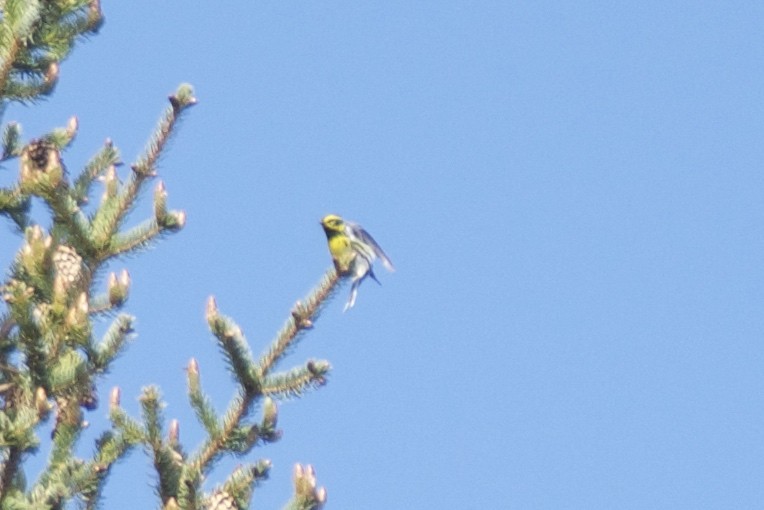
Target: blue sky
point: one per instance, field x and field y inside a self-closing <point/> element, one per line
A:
<point x="572" y="195"/>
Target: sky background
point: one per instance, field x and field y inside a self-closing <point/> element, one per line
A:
<point x="572" y="194"/>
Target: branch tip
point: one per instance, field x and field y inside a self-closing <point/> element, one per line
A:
<point x="114" y="398"/>
<point x="174" y="433"/>
<point x="211" y="312"/>
<point x="193" y="367"/>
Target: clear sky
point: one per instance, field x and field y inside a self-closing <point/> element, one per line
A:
<point x="572" y="193"/>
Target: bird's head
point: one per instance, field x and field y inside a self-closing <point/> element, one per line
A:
<point x="333" y="224"/>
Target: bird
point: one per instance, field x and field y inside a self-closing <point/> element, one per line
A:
<point x="353" y="251"/>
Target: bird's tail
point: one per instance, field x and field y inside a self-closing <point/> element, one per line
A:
<point x="353" y="294"/>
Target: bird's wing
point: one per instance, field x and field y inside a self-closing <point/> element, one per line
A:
<point x="356" y="231"/>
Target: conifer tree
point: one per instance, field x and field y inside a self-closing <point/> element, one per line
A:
<point x="51" y="362"/>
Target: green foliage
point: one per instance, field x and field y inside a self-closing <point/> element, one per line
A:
<point x="50" y="362"/>
<point x="35" y="36"/>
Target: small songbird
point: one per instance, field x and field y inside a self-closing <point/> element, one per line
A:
<point x="353" y="251"/>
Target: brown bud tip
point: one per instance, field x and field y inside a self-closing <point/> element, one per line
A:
<point x="212" y="308"/>
<point x="193" y="367"/>
<point x="310" y="476"/>
<point x="52" y="74"/>
<point x="36" y="233"/>
<point x="41" y="401"/>
<point x="124" y="278"/>
<point x="114" y="397"/>
<point x="174" y="432"/>
<point x="82" y="303"/>
<point x="72" y="125"/>
<point x="270" y="409"/>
